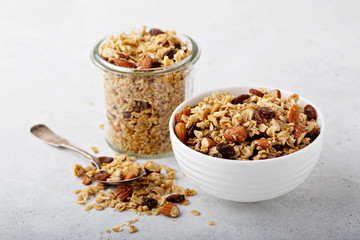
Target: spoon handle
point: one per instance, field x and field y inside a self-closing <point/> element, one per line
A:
<point x="46" y="135"/>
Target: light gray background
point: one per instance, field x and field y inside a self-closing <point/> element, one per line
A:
<point x="308" y="47"/>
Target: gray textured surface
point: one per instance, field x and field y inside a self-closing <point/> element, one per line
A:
<point x="309" y="47"/>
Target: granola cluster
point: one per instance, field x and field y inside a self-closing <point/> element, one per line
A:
<point x="146" y="195"/>
<point x="252" y="126"/>
<point x="139" y="105"/>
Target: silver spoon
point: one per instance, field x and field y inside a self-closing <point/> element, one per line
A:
<point x="46" y="135"/>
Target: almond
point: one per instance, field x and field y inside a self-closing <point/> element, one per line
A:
<point x="151" y="167"/>
<point x="102" y="176"/>
<point x="263" y="143"/>
<point x="298" y="132"/>
<point x="120" y="55"/>
<point x="273" y="155"/>
<point x="180" y="131"/>
<point x="130" y="174"/>
<point x="86" y="180"/>
<point x="123" y="192"/>
<point x="107" y="53"/>
<point x="178" y="115"/>
<point x="294" y="114"/>
<point x="215" y="108"/>
<point x="276" y="93"/>
<point x="170" y="210"/>
<point x="146" y="63"/>
<point x="124" y="63"/>
<point x="256" y="92"/>
<point x="236" y="134"/>
<point x="207" y="142"/>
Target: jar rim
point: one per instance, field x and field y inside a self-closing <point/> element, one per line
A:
<point x="187" y="62"/>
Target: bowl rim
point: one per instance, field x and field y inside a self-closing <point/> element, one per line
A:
<point x="231" y="161"/>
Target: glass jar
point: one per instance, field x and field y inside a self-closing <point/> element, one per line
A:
<point x="139" y="102"/>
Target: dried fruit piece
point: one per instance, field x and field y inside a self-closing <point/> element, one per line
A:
<point x="140" y="106"/>
<point x="276" y="93"/>
<point x="207" y="142"/>
<point x="178" y="115"/>
<point x="313" y="134"/>
<point x="294" y="114"/>
<point x="236" y="134"/>
<point x="178" y="46"/>
<point x="155" y="32"/>
<point x="176" y="198"/>
<point x="170" y="53"/>
<point x="273" y="155"/>
<point x="146" y="63"/>
<point x="257" y="117"/>
<point x="106" y="159"/>
<point x="130" y="174"/>
<point x="124" y="63"/>
<point x="240" y="99"/>
<point x="310" y="112"/>
<point x="266" y="112"/>
<point x="299" y="130"/>
<point x="180" y="131"/>
<point x="225" y="150"/>
<point x="256" y="92"/>
<point x="218" y="155"/>
<point x="170" y="209"/>
<point x="263" y="143"/>
<point x="150" y="203"/>
<point x="124" y="192"/>
<point x="127" y="114"/>
<point x="102" y="176"/>
<point x="190" y="131"/>
<point x="86" y="180"/>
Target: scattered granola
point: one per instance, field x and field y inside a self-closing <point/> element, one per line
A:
<point x="140" y="105"/>
<point x="211" y="222"/>
<point x="102" y="126"/>
<point x="132" y="229"/>
<point x="253" y="126"/>
<point x="195" y="213"/>
<point x="94" y="149"/>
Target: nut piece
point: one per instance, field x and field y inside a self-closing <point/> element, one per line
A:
<point x="207" y="142"/>
<point x="155" y="32"/>
<point x="106" y="159"/>
<point x="263" y="143"/>
<point x="180" y="131"/>
<point x="146" y="63"/>
<point x="151" y="167"/>
<point x="123" y="192"/>
<point x="170" y="210"/>
<point x="256" y="92"/>
<point x="276" y="93"/>
<point x="236" y="134"/>
<point x="310" y="112"/>
<point x="294" y="114"/>
<point x="299" y="130"/>
<point x="120" y="55"/>
<point x="195" y="213"/>
<point x="124" y="63"/>
<point x="102" y="176"/>
<point x="178" y="115"/>
<point x="273" y="155"/>
<point x="86" y="180"/>
<point x="130" y="174"/>
<point x="176" y="198"/>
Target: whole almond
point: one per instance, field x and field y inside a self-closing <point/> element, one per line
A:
<point x="276" y="93"/>
<point x="146" y="63"/>
<point x="299" y="130"/>
<point x="124" y="63"/>
<point x="180" y="131"/>
<point x="294" y="114"/>
<point x="120" y="55"/>
<point x="130" y="174"/>
<point x="123" y="192"/>
<point x="263" y="143"/>
<point x="236" y="134"/>
<point x="256" y="92"/>
<point x="170" y="210"/>
<point x="178" y="115"/>
<point x="86" y="180"/>
<point x="208" y="142"/>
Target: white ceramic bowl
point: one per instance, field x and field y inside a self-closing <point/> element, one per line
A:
<point x="246" y="181"/>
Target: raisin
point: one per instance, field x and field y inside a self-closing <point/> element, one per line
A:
<point x="127" y="114"/>
<point x="266" y="112"/>
<point x="106" y="159"/>
<point x="190" y="131"/>
<point x="313" y="134"/>
<point x="225" y="150"/>
<point x="102" y="175"/>
<point x="256" y="92"/>
<point x="170" y="53"/>
<point x="240" y="99"/>
<point x="257" y="117"/>
<point x="139" y="106"/>
<point x="156" y="65"/>
<point x="175" y="198"/>
<point x="155" y="32"/>
<point x="178" y="46"/>
<point x="150" y="203"/>
<point x="310" y="112"/>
